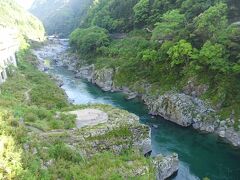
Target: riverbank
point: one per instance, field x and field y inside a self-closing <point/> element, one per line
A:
<point x="183" y="108"/>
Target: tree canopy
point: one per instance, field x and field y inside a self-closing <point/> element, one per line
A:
<point x="88" y="40"/>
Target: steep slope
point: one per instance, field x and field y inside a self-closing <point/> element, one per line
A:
<point x="60" y="17"/>
<point x="14" y="16"/>
<point x="182" y="55"/>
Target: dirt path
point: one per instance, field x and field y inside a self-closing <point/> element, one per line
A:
<point x="27" y="96"/>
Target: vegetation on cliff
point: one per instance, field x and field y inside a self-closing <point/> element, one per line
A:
<point x="60" y="17"/>
<point x="172" y="43"/>
<point x="14" y="16"/>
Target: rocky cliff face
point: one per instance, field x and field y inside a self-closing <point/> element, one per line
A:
<point x="104" y="78"/>
<point x="167" y="166"/>
<point x="179" y="108"/>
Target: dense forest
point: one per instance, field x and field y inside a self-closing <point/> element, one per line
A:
<point x="14" y="16"/>
<point x="60" y="17"/>
<point x="169" y="43"/>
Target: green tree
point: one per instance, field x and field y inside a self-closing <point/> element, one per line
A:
<point x="192" y="8"/>
<point x="141" y="11"/>
<point x="213" y="57"/>
<point x="88" y="40"/>
<point x="236" y="68"/>
<point x="180" y="53"/>
<point x="113" y="15"/>
<point x="212" y="22"/>
<point x="148" y="55"/>
<point x="170" y="23"/>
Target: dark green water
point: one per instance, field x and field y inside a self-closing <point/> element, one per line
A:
<point x="201" y="155"/>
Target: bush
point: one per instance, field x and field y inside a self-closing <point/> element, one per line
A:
<point x="60" y="151"/>
<point x="30" y="117"/>
<point x="10" y="158"/>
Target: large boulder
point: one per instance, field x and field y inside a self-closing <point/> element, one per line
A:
<point x="144" y="146"/>
<point x="86" y="72"/>
<point x="230" y="135"/>
<point x="166" y="166"/>
<point x="104" y="78"/>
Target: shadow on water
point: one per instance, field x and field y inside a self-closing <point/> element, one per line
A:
<point x="201" y="155"/>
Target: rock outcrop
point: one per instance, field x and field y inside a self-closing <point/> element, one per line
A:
<point x="229" y="134"/>
<point x="104" y="78"/>
<point x="119" y="132"/>
<point x="166" y="166"/>
<point x="179" y="108"/>
<point x="86" y="72"/>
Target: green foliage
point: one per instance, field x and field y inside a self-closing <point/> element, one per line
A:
<point x="39" y="108"/>
<point x="113" y="15"/>
<point x="60" y="17"/>
<point x="14" y="16"/>
<point x="60" y="151"/>
<point x="105" y="165"/>
<point x="180" y="53"/>
<point x="88" y="40"/>
<point x="193" y="8"/>
<point x="10" y="158"/>
<point x="212" y="55"/>
<point x="103" y="18"/>
<point x="212" y="21"/>
<point x="141" y="11"/>
<point x="116" y="134"/>
<point x="148" y="55"/>
<point x="10" y="153"/>
<point x="168" y="26"/>
<point x="55" y="98"/>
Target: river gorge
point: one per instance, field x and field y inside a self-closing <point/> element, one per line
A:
<point x="201" y="155"/>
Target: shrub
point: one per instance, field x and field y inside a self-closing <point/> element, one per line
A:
<point x="30" y="117"/>
<point x="10" y="158"/>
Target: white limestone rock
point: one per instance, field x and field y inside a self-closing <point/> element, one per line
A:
<point x="166" y="166"/>
<point x="180" y="108"/>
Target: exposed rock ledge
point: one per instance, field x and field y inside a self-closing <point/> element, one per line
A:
<point x="99" y="135"/>
<point x="167" y="166"/>
<point x="179" y="108"/>
<point x="189" y="111"/>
